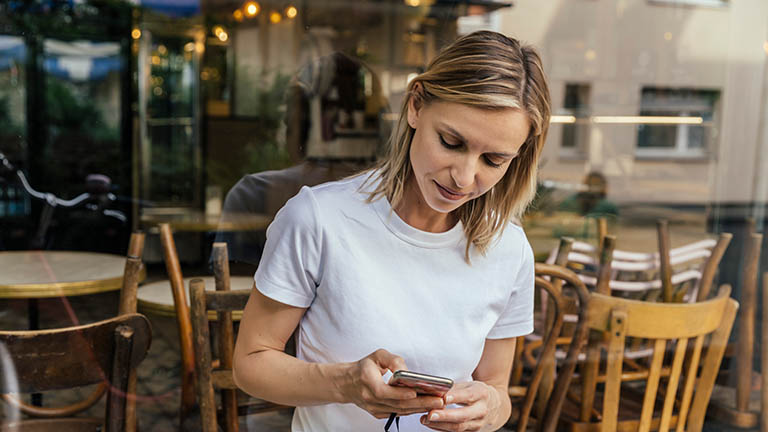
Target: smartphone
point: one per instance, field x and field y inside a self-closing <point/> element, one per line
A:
<point x="423" y="384"/>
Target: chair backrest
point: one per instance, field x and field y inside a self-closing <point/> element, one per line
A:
<point x="550" y="279"/>
<point x="77" y="356"/>
<point x="669" y="327"/>
<point x="223" y="301"/>
<point x="133" y="273"/>
<point x="183" y="320"/>
<point x="694" y="264"/>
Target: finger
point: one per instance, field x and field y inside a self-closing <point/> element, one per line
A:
<point x="387" y="360"/>
<point x="443" y="426"/>
<point x="424" y="403"/>
<point x="464" y="395"/>
<point x="384" y="411"/>
<point x="383" y="391"/>
<point x="458" y="415"/>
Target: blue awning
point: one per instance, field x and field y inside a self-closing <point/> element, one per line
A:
<point x="81" y="60"/>
<point x="175" y="8"/>
<point x="12" y="51"/>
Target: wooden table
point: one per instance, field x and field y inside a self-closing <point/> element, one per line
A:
<point x="197" y="221"/>
<point x="156" y="297"/>
<point x="34" y="275"/>
<point x="46" y="274"/>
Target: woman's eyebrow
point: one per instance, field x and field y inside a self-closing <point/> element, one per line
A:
<point x="463" y="140"/>
<point x="502" y="155"/>
<point x="453" y="132"/>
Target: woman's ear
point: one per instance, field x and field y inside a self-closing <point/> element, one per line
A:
<point x="414" y="105"/>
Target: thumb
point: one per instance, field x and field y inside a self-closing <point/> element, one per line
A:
<point x="387" y="360"/>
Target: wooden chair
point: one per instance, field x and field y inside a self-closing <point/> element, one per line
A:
<point x="133" y="273"/>
<point x="539" y="355"/>
<point x="42" y="360"/>
<point x="209" y="377"/>
<point x="183" y="320"/>
<point x="670" y="271"/>
<point x="611" y="321"/>
<point x="732" y="406"/>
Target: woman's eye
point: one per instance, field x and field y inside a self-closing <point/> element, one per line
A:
<point x="491" y="163"/>
<point x="446" y="144"/>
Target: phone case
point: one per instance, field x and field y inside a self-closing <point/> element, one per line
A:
<point x="423" y="384"/>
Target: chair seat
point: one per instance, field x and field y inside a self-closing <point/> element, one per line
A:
<point x="157" y="297"/>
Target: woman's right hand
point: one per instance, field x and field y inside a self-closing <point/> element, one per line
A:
<point x="364" y="387"/>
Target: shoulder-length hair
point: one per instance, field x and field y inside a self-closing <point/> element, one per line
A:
<point x="490" y="71"/>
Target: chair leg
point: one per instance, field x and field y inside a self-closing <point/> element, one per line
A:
<point x="116" y="397"/>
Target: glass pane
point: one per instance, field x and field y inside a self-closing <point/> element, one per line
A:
<point x="14" y="203"/>
<point x="82" y="105"/>
<point x="171" y="126"/>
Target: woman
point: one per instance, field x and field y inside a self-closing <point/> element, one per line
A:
<point x="412" y="265"/>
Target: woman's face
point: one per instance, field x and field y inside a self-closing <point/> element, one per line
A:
<point x="459" y="152"/>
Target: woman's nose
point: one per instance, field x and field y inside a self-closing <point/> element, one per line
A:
<point x="463" y="172"/>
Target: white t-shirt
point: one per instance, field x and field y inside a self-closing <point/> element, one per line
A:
<point x="370" y="281"/>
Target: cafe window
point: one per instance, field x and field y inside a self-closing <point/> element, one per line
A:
<point x="677" y="122"/>
<point x="576" y="105"/>
<point x="13" y="53"/>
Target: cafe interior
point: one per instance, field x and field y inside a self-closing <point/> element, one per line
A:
<point x="147" y="145"/>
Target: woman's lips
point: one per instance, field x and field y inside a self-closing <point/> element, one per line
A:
<point x="448" y="193"/>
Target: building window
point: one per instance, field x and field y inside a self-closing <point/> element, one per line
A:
<point x="677" y="122"/>
<point x="576" y="104"/>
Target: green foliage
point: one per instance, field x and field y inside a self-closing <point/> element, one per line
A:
<point x="69" y="114"/>
<point x="7" y="125"/>
<point x="92" y="18"/>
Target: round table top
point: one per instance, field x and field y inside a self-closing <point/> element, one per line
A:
<point x="157" y="298"/>
<point x="41" y="274"/>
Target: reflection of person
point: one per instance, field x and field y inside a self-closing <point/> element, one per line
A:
<point x="593" y="201"/>
<point x="412" y="264"/>
<point x="264" y="193"/>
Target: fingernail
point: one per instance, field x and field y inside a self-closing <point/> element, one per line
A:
<point x="423" y="419"/>
<point x="448" y="399"/>
<point x="433" y="417"/>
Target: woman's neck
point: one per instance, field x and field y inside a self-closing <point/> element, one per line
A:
<point x="414" y="211"/>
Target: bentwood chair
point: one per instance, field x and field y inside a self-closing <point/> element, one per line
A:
<point x="689" y="341"/>
<point x="42" y="360"/>
<point x="535" y="363"/>
<point x="671" y="274"/>
<point x="184" y="322"/>
<point x="733" y="404"/>
<point x="133" y="273"/>
<point x="210" y="375"/>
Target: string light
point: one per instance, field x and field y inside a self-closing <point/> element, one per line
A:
<point x="238" y="15"/>
<point x="220" y="33"/>
<point x="252" y="9"/>
<point x="291" y="12"/>
<point x="275" y="17"/>
<point x="136" y="33"/>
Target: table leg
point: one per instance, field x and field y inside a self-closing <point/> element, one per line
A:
<point x="33" y="315"/>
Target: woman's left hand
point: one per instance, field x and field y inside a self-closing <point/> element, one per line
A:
<point x="480" y="403"/>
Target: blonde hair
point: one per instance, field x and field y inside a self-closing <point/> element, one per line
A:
<point x="484" y="70"/>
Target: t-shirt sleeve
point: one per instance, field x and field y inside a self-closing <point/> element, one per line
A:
<point x="289" y="271"/>
<point x="517" y="317"/>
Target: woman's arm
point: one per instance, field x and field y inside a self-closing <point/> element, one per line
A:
<point x="263" y="369"/>
<point x="486" y="399"/>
